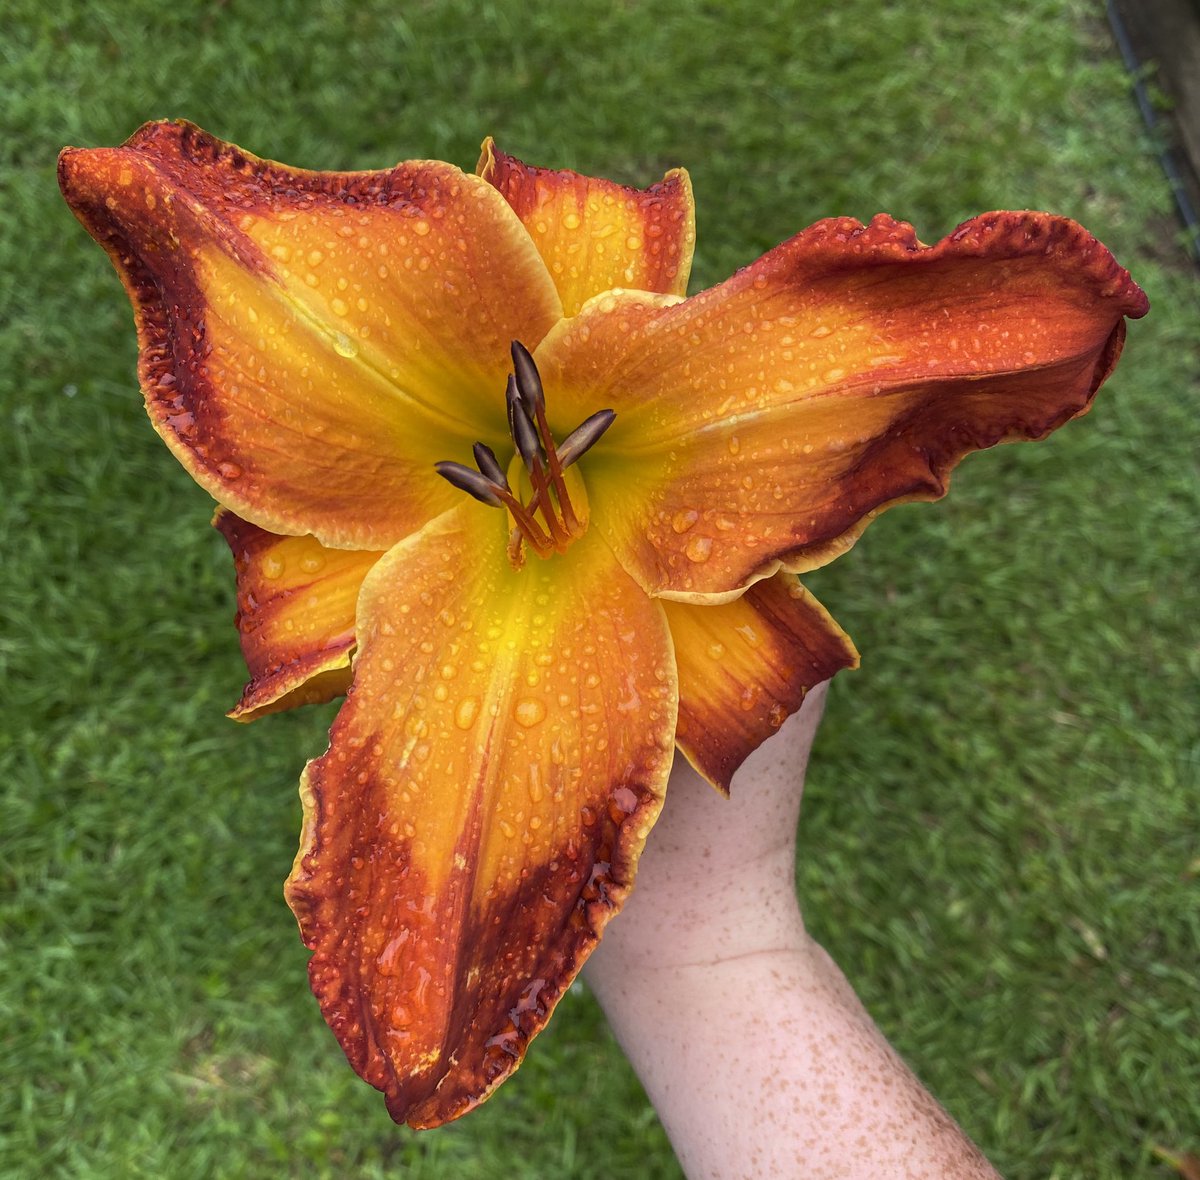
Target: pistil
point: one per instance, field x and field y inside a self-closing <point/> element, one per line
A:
<point x="548" y="523"/>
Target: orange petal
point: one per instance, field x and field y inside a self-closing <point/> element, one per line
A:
<point x="595" y="234"/>
<point x="746" y="666"/>
<point x="767" y="420"/>
<point x="311" y="343"/>
<point x="296" y="608"/>
<point x="478" y="817"/>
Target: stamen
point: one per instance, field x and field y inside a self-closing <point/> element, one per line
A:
<point x="489" y="465"/>
<point x="548" y="522"/>
<point x="526" y="523"/>
<point x="529" y="381"/>
<point x="470" y="481"/>
<point x="584" y="437"/>
<point x="541" y="496"/>
<point x="531" y="397"/>
<point x="523" y="432"/>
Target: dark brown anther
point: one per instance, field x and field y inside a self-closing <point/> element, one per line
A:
<point x="489" y="465"/>
<point x="584" y="436"/>
<point x="468" y="480"/>
<point x="529" y="382"/>
<point x="524" y="435"/>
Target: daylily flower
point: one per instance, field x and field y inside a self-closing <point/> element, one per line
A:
<point x="653" y="476"/>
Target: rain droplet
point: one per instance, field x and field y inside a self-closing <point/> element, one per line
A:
<point x="529" y="711"/>
<point x="272" y="567"/>
<point x="571" y="221"/>
<point x="683" y="520"/>
<point x="698" y="549"/>
<point x="421" y="228"/>
<point x="536" y="791"/>
<point x="466" y="712"/>
<point x="389" y="964"/>
<point x="342" y="344"/>
<point x="229" y="471"/>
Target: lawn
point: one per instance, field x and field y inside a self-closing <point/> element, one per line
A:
<point x="1000" y="843"/>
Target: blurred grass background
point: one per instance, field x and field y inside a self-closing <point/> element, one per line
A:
<point x="1000" y="844"/>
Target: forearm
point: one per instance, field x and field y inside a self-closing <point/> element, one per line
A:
<point x="766" y="1064"/>
<point x="755" y="1051"/>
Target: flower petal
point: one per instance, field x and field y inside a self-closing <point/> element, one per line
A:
<point x="595" y="234"/>
<point x="478" y="817"/>
<point x="312" y="342"/>
<point x="295" y="617"/>
<point x="746" y="666"/>
<point x="766" y="421"/>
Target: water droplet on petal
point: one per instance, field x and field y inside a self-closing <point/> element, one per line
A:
<point x="342" y="344"/>
<point x="529" y="711"/>
<point x="682" y="521"/>
<point x="464" y="715"/>
<point x="698" y="549"/>
<point x="389" y="963"/>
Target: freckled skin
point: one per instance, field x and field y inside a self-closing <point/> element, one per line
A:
<point x="753" y="1047"/>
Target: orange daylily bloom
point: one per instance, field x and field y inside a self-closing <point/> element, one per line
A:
<point x="520" y="670"/>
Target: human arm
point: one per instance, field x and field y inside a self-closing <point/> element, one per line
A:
<point x="752" y="1046"/>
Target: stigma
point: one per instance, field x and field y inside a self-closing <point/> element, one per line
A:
<point x="547" y="520"/>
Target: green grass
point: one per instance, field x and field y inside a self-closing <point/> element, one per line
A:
<point x="1001" y="841"/>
